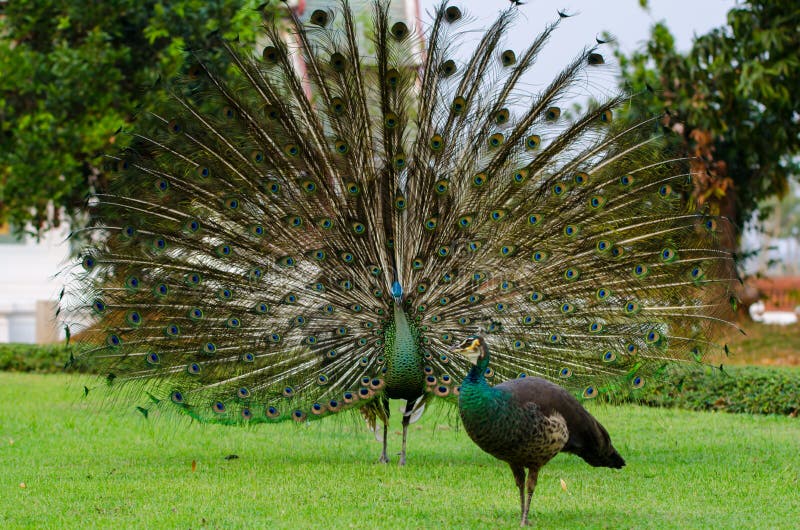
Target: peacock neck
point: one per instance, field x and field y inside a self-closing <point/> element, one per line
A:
<point x="404" y="370"/>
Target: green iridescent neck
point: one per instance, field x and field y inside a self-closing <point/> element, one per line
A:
<point x="477" y="374"/>
<point x="477" y="397"/>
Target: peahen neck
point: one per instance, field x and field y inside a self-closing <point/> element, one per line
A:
<point x="478" y="400"/>
<point x="404" y="370"/>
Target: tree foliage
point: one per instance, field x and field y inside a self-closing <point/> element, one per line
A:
<point x="733" y="99"/>
<point x="72" y="73"/>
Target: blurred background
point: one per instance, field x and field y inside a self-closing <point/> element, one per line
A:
<point x="73" y="75"/>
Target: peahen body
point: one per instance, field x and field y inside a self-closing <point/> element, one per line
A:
<point x="311" y="232"/>
<point x="528" y="421"/>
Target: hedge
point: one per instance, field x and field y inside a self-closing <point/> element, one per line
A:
<point x="47" y="358"/>
<point x="749" y="389"/>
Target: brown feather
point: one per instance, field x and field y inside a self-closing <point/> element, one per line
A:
<point x="587" y="437"/>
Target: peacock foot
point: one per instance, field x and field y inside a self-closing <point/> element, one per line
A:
<point x="383" y="459"/>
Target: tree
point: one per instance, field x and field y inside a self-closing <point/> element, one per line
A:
<point x="733" y="99"/>
<point x="72" y="73"/>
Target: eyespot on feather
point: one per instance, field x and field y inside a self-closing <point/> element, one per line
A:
<point x="595" y="59"/>
<point x="501" y="116"/>
<point x="270" y="55"/>
<point x="451" y="14"/>
<point x="533" y="141"/>
<point x="508" y="58"/>
<point x="496" y="140"/>
<point x="319" y="18"/>
<point x="337" y="106"/>
<point x="393" y="77"/>
<point x="448" y="68"/>
<point x="338" y="62"/>
<point x="399" y="31"/>
<point x="459" y="104"/>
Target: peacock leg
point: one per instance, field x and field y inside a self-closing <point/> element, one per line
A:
<point x="519" y="478"/>
<point x="384" y="417"/>
<point x="405" y="432"/>
<point x="533" y="476"/>
<point x="406" y="421"/>
<point x="384" y="458"/>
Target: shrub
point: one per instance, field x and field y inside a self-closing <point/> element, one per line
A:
<point x="749" y="389"/>
<point x="46" y="358"/>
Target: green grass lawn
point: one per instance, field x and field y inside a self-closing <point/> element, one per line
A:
<point x="85" y="468"/>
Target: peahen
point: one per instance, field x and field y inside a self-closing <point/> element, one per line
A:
<point x="312" y="232"/>
<point x="527" y="421"/>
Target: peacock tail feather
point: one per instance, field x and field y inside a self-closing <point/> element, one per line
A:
<point x="314" y="232"/>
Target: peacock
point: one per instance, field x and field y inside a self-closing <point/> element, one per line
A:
<point x="527" y="421"/>
<point x="311" y="229"/>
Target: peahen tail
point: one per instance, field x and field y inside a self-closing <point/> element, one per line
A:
<point x="277" y="238"/>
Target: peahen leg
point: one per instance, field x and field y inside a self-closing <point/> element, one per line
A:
<point x="519" y="478"/>
<point x="533" y="476"/>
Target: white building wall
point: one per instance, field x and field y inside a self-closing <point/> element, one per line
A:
<point x="28" y="275"/>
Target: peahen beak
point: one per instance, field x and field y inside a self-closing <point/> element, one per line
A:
<point x="471" y="352"/>
<point x="473" y="356"/>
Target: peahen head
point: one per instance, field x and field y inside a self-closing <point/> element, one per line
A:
<point x="475" y="349"/>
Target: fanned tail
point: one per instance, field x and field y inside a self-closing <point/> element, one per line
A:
<point x="255" y="237"/>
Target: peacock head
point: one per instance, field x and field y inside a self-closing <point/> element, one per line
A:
<point x="475" y="349"/>
<point x="397" y="292"/>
